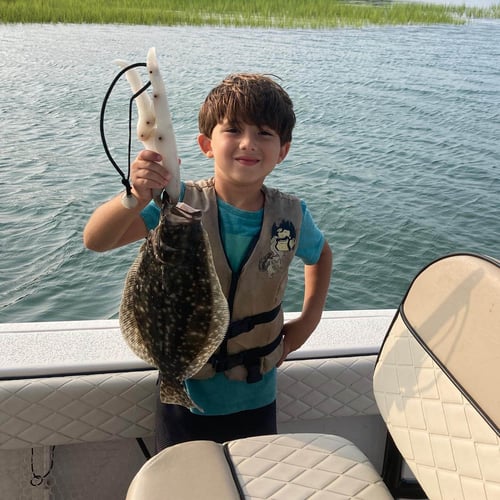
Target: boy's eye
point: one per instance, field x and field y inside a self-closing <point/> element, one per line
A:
<point x="265" y="132"/>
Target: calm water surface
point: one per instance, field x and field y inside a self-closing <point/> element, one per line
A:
<point x="396" y="151"/>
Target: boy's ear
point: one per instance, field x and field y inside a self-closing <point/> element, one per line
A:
<point x="205" y="145"/>
<point x="284" y="151"/>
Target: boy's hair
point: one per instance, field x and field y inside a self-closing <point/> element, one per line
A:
<point x="248" y="98"/>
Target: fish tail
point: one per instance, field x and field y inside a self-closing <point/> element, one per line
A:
<point x="174" y="392"/>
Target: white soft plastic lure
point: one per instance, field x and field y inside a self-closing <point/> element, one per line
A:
<point x="154" y="126"/>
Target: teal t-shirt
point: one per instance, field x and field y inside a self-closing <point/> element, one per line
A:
<point x="219" y="395"/>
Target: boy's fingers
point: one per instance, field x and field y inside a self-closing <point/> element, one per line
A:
<point x="148" y="155"/>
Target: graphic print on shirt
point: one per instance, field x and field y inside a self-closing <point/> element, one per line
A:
<point x="283" y="239"/>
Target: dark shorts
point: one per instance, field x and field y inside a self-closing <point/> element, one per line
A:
<point x="176" y="424"/>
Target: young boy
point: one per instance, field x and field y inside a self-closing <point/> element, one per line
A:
<point x="246" y="125"/>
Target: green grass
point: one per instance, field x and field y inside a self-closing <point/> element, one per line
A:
<point x="263" y="13"/>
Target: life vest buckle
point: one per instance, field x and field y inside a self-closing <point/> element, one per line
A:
<point x="253" y="373"/>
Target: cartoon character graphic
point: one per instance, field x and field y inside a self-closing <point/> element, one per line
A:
<point x="283" y="239"/>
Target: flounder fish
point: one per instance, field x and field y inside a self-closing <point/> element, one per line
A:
<point x="173" y="313"/>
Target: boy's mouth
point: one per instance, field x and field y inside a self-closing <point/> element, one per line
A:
<point x="247" y="160"/>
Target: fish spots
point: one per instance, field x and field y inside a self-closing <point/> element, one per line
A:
<point x="173" y="313"/>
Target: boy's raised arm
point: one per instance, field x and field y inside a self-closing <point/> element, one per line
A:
<point x="112" y="225"/>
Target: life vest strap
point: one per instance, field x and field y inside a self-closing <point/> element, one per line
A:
<point x="246" y="324"/>
<point x="250" y="359"/>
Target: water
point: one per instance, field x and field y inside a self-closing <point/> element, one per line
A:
<point x="396" y="151"/>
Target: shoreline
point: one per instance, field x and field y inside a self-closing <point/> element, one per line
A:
<point x="324" y="14"/>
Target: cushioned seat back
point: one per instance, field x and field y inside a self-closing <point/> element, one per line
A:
<point x="194" y="470"/>
<point x="436" y="381"/>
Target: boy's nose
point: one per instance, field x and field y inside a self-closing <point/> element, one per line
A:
<point x="247" y="142"/>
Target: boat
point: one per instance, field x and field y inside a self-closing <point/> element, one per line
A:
<point x="76" y="405"/>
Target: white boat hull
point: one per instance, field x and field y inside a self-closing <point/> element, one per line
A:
<point x="76" y="386"/>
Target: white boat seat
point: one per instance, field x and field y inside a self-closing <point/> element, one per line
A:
<point x="435" y="383"/>
<point x="288" y="466"/>
<point x="436" y="378"/>
<point x="197" y="469"/>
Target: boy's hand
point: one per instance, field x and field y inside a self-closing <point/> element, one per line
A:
<point x="286" y="351"/>
<point x="147" y="174"/>
<point x="291" y="329"/>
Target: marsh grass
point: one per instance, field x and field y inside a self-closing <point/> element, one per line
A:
<point x="263" y="13"/>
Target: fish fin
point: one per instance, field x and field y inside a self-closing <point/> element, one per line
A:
<point x="174" y="392"/>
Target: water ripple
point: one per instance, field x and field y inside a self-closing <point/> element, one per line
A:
<point x="396" y="149"/>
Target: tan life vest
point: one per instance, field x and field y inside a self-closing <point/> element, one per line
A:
<point x="253" y="344"/>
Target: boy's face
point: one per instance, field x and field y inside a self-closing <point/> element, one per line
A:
<point x="243" y="153"/>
